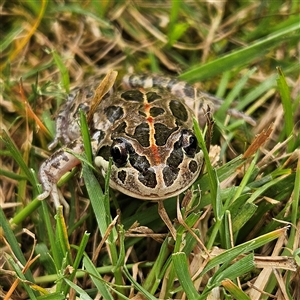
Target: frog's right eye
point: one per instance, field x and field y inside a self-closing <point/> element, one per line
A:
<point x="120" y="152"/>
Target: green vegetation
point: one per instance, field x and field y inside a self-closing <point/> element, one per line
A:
<point x="236" y="231"/>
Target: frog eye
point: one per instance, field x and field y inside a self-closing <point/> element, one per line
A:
<point x="120" y="152"/>
<point x="189" y="143"/>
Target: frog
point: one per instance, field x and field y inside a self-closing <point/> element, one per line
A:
<point x="147" y="130"/>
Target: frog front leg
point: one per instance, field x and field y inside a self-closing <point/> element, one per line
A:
<point x="55" y="167"/>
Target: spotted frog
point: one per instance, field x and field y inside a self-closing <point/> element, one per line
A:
<point x="146" y="129"/>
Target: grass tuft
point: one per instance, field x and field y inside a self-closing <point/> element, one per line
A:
<point x="235" y="230"/>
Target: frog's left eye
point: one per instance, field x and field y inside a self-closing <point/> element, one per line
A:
<point x="189" y="143"/>
<point x="120" y="152"/>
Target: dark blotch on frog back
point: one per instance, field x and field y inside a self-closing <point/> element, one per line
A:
<point x="178" y="110"/>
<point x="133" y="95"/>
<point x="152" y="96"/>
<point x="170" y="174"/>
<point x="156" y="111"/>
<point x="162" y="133"/>
<point x="142" y="135"/>
<point x="176" y="156"/>
<point x="113" y="113"/>
<point x="146" y="176"/>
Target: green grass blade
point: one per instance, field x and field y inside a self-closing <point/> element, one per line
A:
<point x="214" y="185"/>
<point x="234" y="290"/>
<point x="222" y="87"/>
<point x="295" y="208"/>
<point x="25" y="212"/>
<point x="45" y="259"/>
<point x="13" y="34"/>
<point x="50" y="234"/>
<point x="142" y="290"/>
<point x="230" y="254"/>
<point x="175" y="29"/>
<point x="233" y="94"/>
<point x="63" y="70"/>
<point x="152" y="279"/>
<point x="100" y="284"/>
<point x="16" y="154"/>
<point x="242" y="216"/>
<point x="101" y="208"/>
<point x="182" y="271"/>
<point x="80" y="252"/>
<point x="213" y="179"/>
<point x="241" y="267"/>
<point x="81" y="11"/>
<point x="240" y="57"/>
<point x="96" y="197"/>
<point x="12" y="241"/>
<point x="86" y="137"/>
<point x="52" y="296"/>
<point x="256" y="92"/>
<point x="12" y="175"/>
<point x="246" y="178"/>
<point x="82" y="293"/>
<point x="263" y="188"/>
<point x="287" y="107"/>
<point x="62" y="236"/>
<point x="21" y="276"/>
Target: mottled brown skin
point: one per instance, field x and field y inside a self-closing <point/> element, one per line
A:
<point x="147" y="130"/>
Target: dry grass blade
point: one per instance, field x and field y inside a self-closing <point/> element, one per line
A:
<point x="103" y="88"/>
<point x="258" y="142"/>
